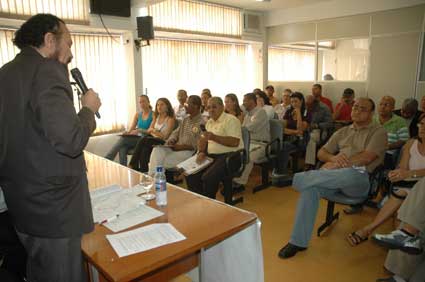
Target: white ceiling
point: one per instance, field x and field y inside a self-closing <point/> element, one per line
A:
<point x="267" y="6"/>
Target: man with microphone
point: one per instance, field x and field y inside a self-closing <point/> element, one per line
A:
<point x="42" y="166"/>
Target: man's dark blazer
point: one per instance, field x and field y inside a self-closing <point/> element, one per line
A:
<point x="413" y="128"/>
<point x="42" y="167"/>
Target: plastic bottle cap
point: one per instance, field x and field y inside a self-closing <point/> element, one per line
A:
<point x="159" y="169"/>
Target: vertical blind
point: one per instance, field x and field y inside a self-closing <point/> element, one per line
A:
<point x="169" y="65"/>
<point x="196" y="17"/>
<point x="74" y="11"/>
<point x="287" y="64"/>
<point x="102" y="62"/>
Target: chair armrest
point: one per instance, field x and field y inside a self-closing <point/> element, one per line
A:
<point x="269" y="147"/>
<point x="235" y="160"/>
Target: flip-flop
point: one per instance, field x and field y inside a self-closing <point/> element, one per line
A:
<point x="356" y="238"/>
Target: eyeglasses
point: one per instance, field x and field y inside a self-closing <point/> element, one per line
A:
<point x="360" y="109"/>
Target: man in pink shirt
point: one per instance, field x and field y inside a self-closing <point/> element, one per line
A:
<point x="343" y="108"/>
<point x="317" y="93"/>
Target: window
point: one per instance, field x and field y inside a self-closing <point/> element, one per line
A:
<point x="196" y="17"/>
<point x="74" y="11"/>
<point x="343" y="60"/>
<point x="293" y="62"/>
<point x="169" y="65"/>
<point x="101" y="60"/>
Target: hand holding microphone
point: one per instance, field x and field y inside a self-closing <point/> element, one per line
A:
<point x="90" y="99"/>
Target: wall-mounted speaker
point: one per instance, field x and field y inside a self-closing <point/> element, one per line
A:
<point x="145" y="28"/>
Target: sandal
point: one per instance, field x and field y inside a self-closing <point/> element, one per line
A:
<point x="355" y="239"/>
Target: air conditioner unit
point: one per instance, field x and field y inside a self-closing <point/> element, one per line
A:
<point x="252" y="22"/>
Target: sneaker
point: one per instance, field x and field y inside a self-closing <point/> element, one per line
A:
<point x="290" y="250"/>
<point x="399" y="240"/>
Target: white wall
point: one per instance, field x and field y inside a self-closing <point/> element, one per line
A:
<point x="334" y="9"/>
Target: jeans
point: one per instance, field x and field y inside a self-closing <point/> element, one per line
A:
<point x="315" y="184"/>
<point x="122" y="147"/>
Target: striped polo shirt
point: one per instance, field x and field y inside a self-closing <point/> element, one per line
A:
<point x="396" y="128"/>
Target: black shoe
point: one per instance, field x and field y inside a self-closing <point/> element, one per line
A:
<point x="290" y="250"/>
<point x="237" y="188"/>
<point x="353" y="209"/>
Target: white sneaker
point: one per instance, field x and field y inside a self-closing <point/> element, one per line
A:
<point x="399" y="240"/>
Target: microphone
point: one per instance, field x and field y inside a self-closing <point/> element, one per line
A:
<point x="76" y="75"/>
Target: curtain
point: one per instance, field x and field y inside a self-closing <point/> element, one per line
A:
<point x="196" y="17"/>
<point x="102" y="63"/>
<point x="73" y="11"/>
<point x="169" y="65"/>
<point x="287" y="64"/>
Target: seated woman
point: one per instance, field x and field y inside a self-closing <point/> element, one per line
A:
<point x="412" y="165"/>
<point x="161" y="127"/>
<point x="296" y="123"/>
<point x="205" y="96"/>
<point x="141" y="122"/>
<point x="231" y="106"/>
<point x="263" y="101"/>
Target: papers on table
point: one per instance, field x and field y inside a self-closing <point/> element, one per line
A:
<point x="99" y="192"/>
<point x="144" y="238"/>
<point x="190" y="166"/>
<point x="133" y="217"/>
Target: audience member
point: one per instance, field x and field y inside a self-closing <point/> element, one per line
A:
<point x="320" y="119"/>
<point x="406" y="257"/>
<point x="264" y="103"/>
<point x="269" y="90"/>
<point x="412" y="165"/>
<point x="141" y="122"/>
<point x="343" y="108"/>
<point x="296" y="123"/>
<point x="161" y="127"/>
<point x="286" y="102"/>
<point x="349" y="156"/>
<point x="257" y="123"/>
<point x="396" y="127"/>
<point x="222" y="137"/>
<point x="317" y="93"/>
<point x="205" y="96"/>
<point x="409" y="111"/>
<point x="328" y="76"/>
<point x="231" y="106"/>
<point x="180" y="109"/>
<point x="182" y="143"/>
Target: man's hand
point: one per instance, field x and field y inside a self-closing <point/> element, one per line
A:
<point x="208" y="135"/>
<point x="200" y="157"/>
<point x="171" y="142"/>
<point x="91" y="100"/>
<point x="329" y="165"/>
<point x="341" y="160"/>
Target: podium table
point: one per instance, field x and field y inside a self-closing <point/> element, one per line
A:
<point x="204" y="222"/>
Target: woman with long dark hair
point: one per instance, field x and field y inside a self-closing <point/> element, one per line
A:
<point x="231" y="106"/>
<point x="128" y="140"/>
<point x="162" y="125"/>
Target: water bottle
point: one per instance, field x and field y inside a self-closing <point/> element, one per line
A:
<point x="160" y="187"/>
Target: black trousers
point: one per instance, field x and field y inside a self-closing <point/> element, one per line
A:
<point x="11" y="250"/>
<point x="142" y="153"/>
<point x="206" y="181"/>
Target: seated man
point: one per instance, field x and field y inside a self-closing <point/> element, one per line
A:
<point x="182" y="142"/>
<point x="257" y="123"/>
<point x="396" y="127"/>
<point x="317" y="93"/>
<point x="406" y="256"/>
<point x="222" y="137"/>
<point x="320" y="119"/>
<point x="350" y="154"/>
<point x="343" y="109"/>
<point x="409" y="111"/>
<point x="180" y="109"/>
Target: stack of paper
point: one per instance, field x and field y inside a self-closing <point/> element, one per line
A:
<point x="190" y="166"/>
<point x="144" y="238"/>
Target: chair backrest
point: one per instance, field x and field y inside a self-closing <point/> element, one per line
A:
<point x="246" y="137"/>
<point x="276" y="132"/>
<point x="376" y="178"/>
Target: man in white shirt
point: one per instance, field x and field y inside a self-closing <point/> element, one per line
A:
<point x="180" y="110"/>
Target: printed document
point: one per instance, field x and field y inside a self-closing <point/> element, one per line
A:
<point x="133" y="217"/>
<point x="144" y="238"/>
<point x="190" y="166"/>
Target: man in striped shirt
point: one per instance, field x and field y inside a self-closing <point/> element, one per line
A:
<point x="396" y="127"/>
